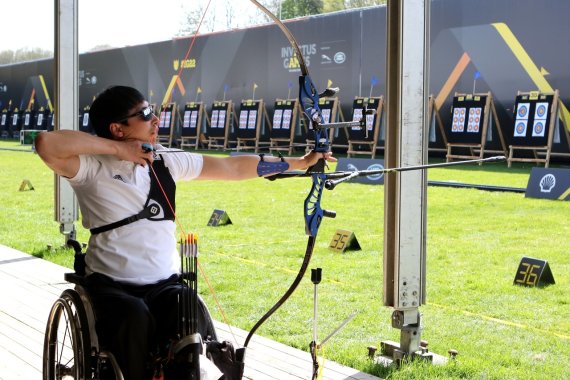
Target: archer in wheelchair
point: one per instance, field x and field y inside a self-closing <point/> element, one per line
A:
<point x="73" y="349"/>
<point x="125" y="183"/>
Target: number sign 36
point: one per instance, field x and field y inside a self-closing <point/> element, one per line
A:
<point x="533" y="272"/>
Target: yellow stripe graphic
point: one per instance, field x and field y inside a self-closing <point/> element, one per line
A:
<point x="175" y="81"/>
<point x="46" y="93"/>
<point x="31" y="102"/>
<point x="564" y="194"/>
<point x="532" y="70"/>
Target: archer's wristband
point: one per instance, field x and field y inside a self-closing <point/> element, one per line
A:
<point x="266" y="168"/>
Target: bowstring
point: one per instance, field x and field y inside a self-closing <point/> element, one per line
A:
<point x="177" y="220"/>
<point x="202" y="271"/>
<point x="181" y="69"/>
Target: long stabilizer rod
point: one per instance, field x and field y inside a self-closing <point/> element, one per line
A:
<point x="336" y="178"/>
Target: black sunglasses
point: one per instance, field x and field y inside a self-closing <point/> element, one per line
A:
<point x="145" y="113"/>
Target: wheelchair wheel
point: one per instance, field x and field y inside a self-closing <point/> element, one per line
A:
<point x="67" y="343"/>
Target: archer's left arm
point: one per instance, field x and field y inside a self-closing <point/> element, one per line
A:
<point x="246" y="166"/>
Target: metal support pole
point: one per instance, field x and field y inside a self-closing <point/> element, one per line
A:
<point x="405" y="192"/>
<point x="66" y="103"/>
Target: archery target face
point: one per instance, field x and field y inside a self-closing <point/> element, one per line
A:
<point x="520" y="128"/>
<point x="356" y="116"/>
<point x="538" y="128"/>
<point x="522" y="111"/>
<point x="541" y="111"/>
<point x="277" y="118"/>
<point x="193" y="119"/>
<point x="243" y="119"/>
<point x="369" y="122"/>
<point x="326" y="113"/>
<point x="474" y="120"/>
<point x="287" y="119"/>
<point x="458" y="120"/>
<point x="251" y="122"/>
<point x="222" y="119"/>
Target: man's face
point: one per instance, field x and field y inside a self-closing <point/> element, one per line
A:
<point x="140" y="124"/>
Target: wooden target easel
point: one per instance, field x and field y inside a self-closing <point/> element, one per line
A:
<point x="221" y="120"/>
<point x="367" y="136"/>
<point x="470" y="125"/>
<point x="167" y="116"/>
<point x="5" y="123"/>
<point x="536" y="116"/>
<point x="252" y="114"/>
<point x="28" y="118"/>
<point x="42" y="119"/>
<point x="285" y="119"/>
<point x="84" y="121"/>
<point x="193" y="119"/>
<point x="14" y="124"/>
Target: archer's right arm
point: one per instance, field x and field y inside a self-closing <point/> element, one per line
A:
<point x="60" y="150"/>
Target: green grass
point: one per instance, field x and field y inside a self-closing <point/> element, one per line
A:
<point x="475" y="240"/>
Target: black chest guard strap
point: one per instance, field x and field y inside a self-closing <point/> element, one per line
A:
<point x="156" y="207"/>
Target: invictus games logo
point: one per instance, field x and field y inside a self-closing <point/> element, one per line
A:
<point x="290" y="59"/>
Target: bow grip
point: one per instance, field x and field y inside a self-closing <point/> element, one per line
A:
<point x="313" y="221"/>
<point x="322" y="143"/>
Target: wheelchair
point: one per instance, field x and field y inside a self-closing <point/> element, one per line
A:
<point x="71" y="347"/>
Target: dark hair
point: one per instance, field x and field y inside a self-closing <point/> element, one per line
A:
<point x="112" y="105"/>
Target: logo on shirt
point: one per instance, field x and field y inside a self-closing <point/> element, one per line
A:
<point x="118" y="176"/>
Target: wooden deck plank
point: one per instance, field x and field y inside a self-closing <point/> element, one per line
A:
<point x="29" y="286"/>
<point x="263" y="351"/>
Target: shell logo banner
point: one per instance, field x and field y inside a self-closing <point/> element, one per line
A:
<point x="549" y="184"/>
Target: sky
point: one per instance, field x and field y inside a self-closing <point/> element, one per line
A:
<point x="30" y="23"/>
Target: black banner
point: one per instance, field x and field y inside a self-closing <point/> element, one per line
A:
<point x="353" y="164"/>
<point x="549" y="184"/>
<point x="477" y="46"/>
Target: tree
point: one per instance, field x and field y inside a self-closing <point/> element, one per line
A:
<point x="24" y="54"/>
<point x="333" y="5"/>
<point x="235" y="15"/>
<point x="191" y="24"/>
<point x="298" y="8"/>
<point x="100" y="47"/>
<point x="363" y="3"/>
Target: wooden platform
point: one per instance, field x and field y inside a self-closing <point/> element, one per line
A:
<point x="29" y="286"/>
